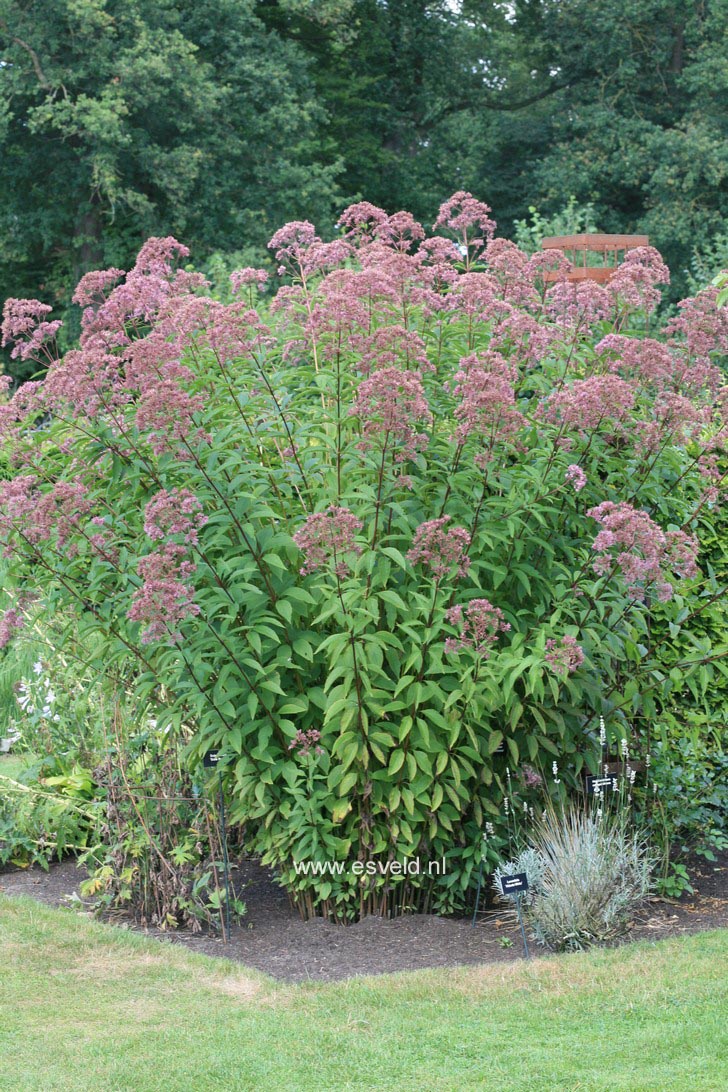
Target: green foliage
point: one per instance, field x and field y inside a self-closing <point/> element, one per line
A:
<point x="688" y="812"/>
<point x="574" y="219"/>
<point x="120" y="120"/>
<point x="157" y="852"/>
<point x="708" y="261"/>
<point x="46" y="819"/>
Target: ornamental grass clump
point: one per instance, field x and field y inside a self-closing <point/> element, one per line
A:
<point x="587" y="872"/>
<point x="423" y="515"/>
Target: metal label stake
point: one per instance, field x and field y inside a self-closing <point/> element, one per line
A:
<point x="211" y="760"/>
<point x="514" y="886"/>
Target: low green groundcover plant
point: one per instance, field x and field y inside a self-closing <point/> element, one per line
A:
<point x="396" y="535"/>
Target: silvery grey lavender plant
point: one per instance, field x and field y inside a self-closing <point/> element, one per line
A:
<point x="587" y="872"/>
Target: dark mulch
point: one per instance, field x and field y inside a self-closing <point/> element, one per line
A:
<point x="273" y="938"/>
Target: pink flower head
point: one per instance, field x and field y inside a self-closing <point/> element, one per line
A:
<point x="293" y="240"/>
<point x="577" y="303"/>
<point x="241" y="278"/>
<point x="165" y="598"/>
<point x="588" y="403"/>
<point x="701" y="325"/>
<point x="564" y="656"/>
<point x="480" y="623"/>
<point x="391" y="404"/>
<point x="400" y="231"/>
<point x="165" y="412"/>
<point x="388" y="346"/>
<point x="675" y="419"/>
<point x="305" y="742"/>
<point x="487" y="408"/>
<point x="576" y="476"/>
<point x="362" y="219"/>
<point x="531" y="778"/>
<point x="441" y="252"/>
<point x="92" y="288"/>
<point x="440" y="550"/>
<point x="114" y="320"/>
<point x="38" y="515"/>
<point x="24" y="327"/>
<point x="467" y="218"/>
<point x="158" y="256"/>
<point x="475" y="295"/>
<point x="638" y="547"/>
<point x="633" y="284"/>
<point x="326" y="538"/>
<point x="10" y="622"/>
<point x="174" y="512"/>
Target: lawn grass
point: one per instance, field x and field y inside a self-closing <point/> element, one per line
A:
<point x="11" y="765"/>
<point x="88" y="1006"/>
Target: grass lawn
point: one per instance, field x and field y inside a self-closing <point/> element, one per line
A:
<point x="11" y="765"/>
<point x="87" y="1006"/>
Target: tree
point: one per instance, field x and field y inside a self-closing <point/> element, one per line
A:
<point x="118" y="120"/>
<point x="640" y="128"/>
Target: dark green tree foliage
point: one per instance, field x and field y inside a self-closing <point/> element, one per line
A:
<point x="641" y="128"/>
<point x="121" y="119"/>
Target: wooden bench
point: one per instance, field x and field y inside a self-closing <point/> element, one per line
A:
<point x="577" y="248"/>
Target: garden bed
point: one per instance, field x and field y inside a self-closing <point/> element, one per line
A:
<point x="274" y="939"/>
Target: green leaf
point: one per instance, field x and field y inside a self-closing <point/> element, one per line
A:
<point x="396" y="761"/>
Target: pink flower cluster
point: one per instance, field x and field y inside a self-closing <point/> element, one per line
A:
<point x="643" y="553"/>
<point x="326" y="538"/>
<point x="10" y="622"/>
<point x="577" y="304"/>
<point x="91" y="290"/>
<point x="487" y="408"/>
<point x="242" y="278"/>
<point x="391" y="404"/>
<point x="480" y="623"/>
<point x="531" y="778"/>
<point x="298" y="248"/>
<point x="24" y="327"/>
<point x="174" y="512"/>
<point x="400" y="231"/>
<point x="440" y="550"/>
<point x="701" y="325"/>
<point x="588" y="403"/>
<point x="362" y="219"/>
<point x="467" y="218"/>
<point x="38" y="515"/>
<point x="114" y="320"/>
<point x="576" y="476"/>
<point x="387" y="346"/>
<point x="306" y="741"/>
<point x="165" y="598"/>
<point x="633" y="284"/>
<point x="564" y="656"/>
<point x="675" y="419"/>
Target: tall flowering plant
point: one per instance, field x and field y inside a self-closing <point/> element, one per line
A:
<point x="409" y="527"/>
